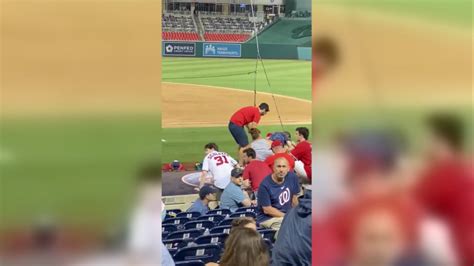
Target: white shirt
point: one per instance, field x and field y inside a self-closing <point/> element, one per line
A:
<point x="219" y="164"/>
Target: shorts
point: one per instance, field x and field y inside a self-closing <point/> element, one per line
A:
<point x="239" y="134"/>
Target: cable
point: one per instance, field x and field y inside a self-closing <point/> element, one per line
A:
<point x="259" y="57"/>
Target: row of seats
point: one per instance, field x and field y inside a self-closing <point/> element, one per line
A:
<point x="172" y="22"/>
<point x="180" y="36"/>
<point x="172" y="213"/>
<point x="224" y="37"/>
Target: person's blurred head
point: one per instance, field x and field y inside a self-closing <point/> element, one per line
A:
<point x="210" y="147"/>
<point x="446" y="136"/>
<point x="264" y="108"/>
<point x="302" y="133"/>
<point x="249" y="155"/>
<point x="287" y="135"/>
<point x="255" y="133"/>
<point x="378" y="239"/>
<point x="280" y="169"/>
<point x="245" y="246"/>
<point x="247" y="222"/>
<point x="325" y="55"/>
<point x="207" y="193"/>
<point x="236" y="176"/>
<point x="277" y="147"/>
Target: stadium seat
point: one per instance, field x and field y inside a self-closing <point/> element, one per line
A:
<point x="246" y="209"/>
<point x="219" y="211"/>
<point x="174" y="244"/>
<point x="169" y="228"/>
<point x="190" y="263"/>
<point x="186" y="234"/>
<point x="206" y="253"/>
<point x="226" y="37"/>
<point x="176" y="221"/>
<point x="199" y="224"/>
<point x="269" y="243"/>
<point x="243" y="214"/>
<point x="173" y="211"/>
<point x="216" y="218"/>
<point x="267" y="233"/>
<point x="211" y="239"/>
<point x="190" y="215"/>
<point x="227" y="221"/>
<point x="221" y="229"/>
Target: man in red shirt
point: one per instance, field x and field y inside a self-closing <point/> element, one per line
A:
<point x="302" y="150"/>
<point x="255" y="171"/>
<point x="245" y="117"/>
<point x="280" y="151"/>
<point x="445" y="188"/>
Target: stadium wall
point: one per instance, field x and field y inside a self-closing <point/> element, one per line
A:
<point x="233" y="50"/>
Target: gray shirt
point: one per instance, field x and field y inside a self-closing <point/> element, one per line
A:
<point x="262" y="149"/>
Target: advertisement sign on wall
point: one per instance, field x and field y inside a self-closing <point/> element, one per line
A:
<point x="221" y="50"/>
<point x="179" y="49"/>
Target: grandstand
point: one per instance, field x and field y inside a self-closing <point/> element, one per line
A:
<point x="296" y="31"/>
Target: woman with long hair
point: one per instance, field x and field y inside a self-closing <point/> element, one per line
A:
<point x="244" y="246"/>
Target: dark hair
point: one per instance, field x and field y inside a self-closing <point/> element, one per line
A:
<point x="211" y="145"/>
<point x="264" y="106"/>
<point x="449" y="128"/>
<point x="241" y="222"/>
<point x="245" y="246"/>
<point x="303" y="131"/>
<point x="326" y="48"/>
<point x="255" y="133"/>
<point x="250" y="153"/>
<point x="287" y="134"/>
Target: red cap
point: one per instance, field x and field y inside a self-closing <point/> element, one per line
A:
<point x="276" y="143"/>
<point x="269" y="135"/>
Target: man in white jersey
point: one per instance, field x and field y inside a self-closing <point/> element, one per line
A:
<point x="219" y="165"/>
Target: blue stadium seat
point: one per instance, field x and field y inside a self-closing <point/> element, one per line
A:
<point x="199" y="224"/>
<point x="267" y="233"/>
<point x="216" y="218"/>
<point x="219" y="211"/>
<point x="246" y="209"/>
<point x="269" y="244"/>
<point x="206" y="253"/>
<point x="172" y="213"/>
<point x="169" y="228"/>
<point x="190" y="263"/>
<point x="243" y="214"/>
<point x="211" y="239"/>
<point x="176" y="221"/>
<point x="190" y="215"/>
<point x="221" y="229"/>
<point x="185" y="234"/>
<point x="174" y="244"/>
<point x="227" y="221"/>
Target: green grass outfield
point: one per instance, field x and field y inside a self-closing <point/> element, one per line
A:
<point x="287" y="77"/>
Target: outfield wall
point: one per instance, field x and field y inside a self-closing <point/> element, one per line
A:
<point x="233" y="50"/>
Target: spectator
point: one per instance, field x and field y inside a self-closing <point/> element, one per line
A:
<point x="302" y="152"/>
<point x="233" y="196"/>
<point x="244" y="246"/>
<point x="280" y="151"/>
<point x="293" y="246"/>
<point x="261" y="146"/>
<point x="255" y="171"/>
<point x="277" y="194"/>
<point x="244" y="222"/>
<point x="206" y="194"/>
<point x="445" y="185"/>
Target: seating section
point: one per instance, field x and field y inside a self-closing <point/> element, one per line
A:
<point x="226" y="37"/>
<point x="177" y="23"/>
<point x="193" y="239"/>
<point x="180" y="36"/>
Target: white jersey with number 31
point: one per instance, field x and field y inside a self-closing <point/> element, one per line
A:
<point x="219" y="164"/>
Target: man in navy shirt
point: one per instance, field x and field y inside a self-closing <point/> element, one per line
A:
<point x="277" y="194"/>
<point x="206" y="195"/>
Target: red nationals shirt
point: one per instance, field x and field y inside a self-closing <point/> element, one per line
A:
<point x="246" y="115"/>
<point x="256" y="171"/>
<point x="302" y="152"/>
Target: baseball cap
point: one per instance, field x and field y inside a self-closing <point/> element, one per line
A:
<point x="236" y="172"/>
<point x="206" y="190"/>
<point x="276" y="143"/>
<point x="269" y="135"/>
